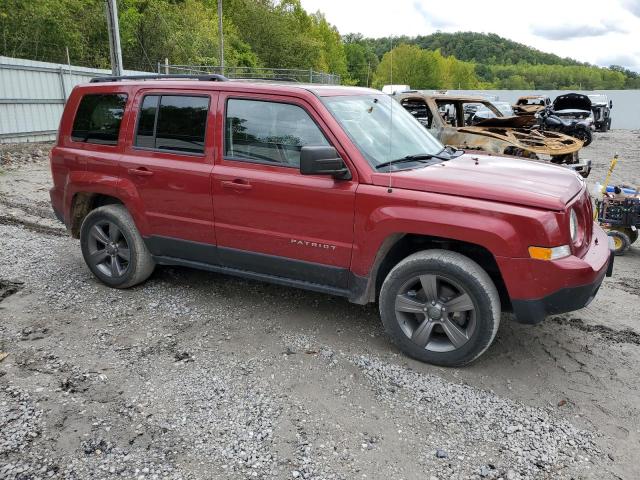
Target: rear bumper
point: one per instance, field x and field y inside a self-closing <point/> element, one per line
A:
<point x="56" y="204"/>
<point x="565" y="285"/>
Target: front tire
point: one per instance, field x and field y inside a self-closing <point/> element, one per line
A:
<point x="113" y="248"/>
<point x="440" y="307"/>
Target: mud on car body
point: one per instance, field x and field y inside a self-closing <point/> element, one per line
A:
<point x="332" y="189"/>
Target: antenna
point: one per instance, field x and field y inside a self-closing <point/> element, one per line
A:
<point x="389" y="189"/>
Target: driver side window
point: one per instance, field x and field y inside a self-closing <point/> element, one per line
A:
<point x="268" y="132"/>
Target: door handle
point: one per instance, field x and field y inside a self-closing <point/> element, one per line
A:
<point x="237" y="184"/>
<point x="140" y="172"/>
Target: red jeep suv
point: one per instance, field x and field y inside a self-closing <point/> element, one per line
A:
<point x="332" y="189"/>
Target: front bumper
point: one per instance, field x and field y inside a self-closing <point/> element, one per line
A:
<point x="566" y="285"/>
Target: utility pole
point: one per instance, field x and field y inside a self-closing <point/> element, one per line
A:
<point x="114" y="37"/>
<point x="221" y="37"/>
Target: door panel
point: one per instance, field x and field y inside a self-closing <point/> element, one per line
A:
<point x="271" y="208"/>
<point x="172" y="180"/>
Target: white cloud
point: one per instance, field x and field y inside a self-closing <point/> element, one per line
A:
<point x="587" y="30"/>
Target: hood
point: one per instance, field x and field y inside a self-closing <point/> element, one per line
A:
<point x="572" y="101"/>
<point x="501" y="179"/>
<point x="541" y="143"/>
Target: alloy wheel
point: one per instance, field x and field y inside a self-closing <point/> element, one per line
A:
<point x="109" y="249"/>
<point x="435" y="312"/>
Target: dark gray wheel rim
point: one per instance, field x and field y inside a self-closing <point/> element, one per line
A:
<point x="435" y="312"/>
<point x="108" y="249"/>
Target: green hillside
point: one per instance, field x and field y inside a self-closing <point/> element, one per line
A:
<point x="490" y="49"/>
<point x="498" y="63"/>
<point x="281" y="34"/>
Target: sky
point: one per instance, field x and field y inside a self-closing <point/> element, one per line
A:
<point x="601" y="32"/>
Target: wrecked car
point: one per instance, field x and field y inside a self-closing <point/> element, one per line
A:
<point x="601" y="109"/>
<point x="531" y="104"/>
<point x="569" y="114"/>
<point x="573" y="106"/>
<point x="463" y="122"/>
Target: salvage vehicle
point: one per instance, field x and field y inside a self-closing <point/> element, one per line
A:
<point x="601" y="107"/>
<point x="531" y="104"/>
<point x="332" y="189"/>
<point x="464" y="123"/>
<point x="565" y="122"/>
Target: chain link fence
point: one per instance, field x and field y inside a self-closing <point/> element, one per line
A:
<point x="275" y="74"/>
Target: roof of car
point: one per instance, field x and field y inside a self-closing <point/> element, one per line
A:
<point x="439" y="97"/>
<point x="256" y="86"/>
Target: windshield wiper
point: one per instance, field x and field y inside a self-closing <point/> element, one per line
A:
<point x="421" y="157"/>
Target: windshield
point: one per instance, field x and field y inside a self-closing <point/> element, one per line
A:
<point x="367" y="119"/>
<point x="598" y="98"/>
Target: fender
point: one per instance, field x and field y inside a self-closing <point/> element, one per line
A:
<point x="101" y="184"/>
<point x="497" y="227"/>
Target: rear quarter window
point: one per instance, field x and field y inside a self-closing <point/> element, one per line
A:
<point x="98" y="118"/>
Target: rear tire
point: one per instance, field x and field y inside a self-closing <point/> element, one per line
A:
<point x="440" y="307"/>
<point x="621" y="241"/>
<point x="113" y="248"/>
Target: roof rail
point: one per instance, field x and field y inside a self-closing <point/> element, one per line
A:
<point x="210" y="77"/>
<point x="268" y="79"/>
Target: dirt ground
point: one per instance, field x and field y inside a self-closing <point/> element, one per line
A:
<point x="195" y="375"/>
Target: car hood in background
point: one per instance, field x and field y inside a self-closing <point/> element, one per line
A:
<point x="501" y="179"/>
<point x="572" y="101"/>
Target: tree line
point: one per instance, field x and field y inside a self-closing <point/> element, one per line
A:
<point x="281" y="34"/>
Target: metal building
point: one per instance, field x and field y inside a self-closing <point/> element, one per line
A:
<point x="33" y="94"/>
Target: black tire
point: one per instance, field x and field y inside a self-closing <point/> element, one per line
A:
<point x="584" y="134"/>
<point x="607" y="125"/>
<point x="621" y="241"/>
<point x="633" y="236"/>
<point x="452" y="271"/>
<point x="113" y="248"/>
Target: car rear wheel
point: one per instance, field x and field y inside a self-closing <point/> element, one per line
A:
<point x="440" y="307"/>
<point x="113" y="248"/>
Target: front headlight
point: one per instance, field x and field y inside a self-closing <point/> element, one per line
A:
<point x="573" y="225"/>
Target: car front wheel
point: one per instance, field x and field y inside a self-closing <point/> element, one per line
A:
<point x="440" y="307"/>
<point x="113" y="248"/>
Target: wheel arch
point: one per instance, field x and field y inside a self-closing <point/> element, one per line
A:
<point x="84" y="202"/>
<point x="399" y="246"/>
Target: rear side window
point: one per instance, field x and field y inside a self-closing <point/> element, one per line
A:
<point x="269" y="132"/>
<point x="173" y="122"/>
<point x="98" y="119"/>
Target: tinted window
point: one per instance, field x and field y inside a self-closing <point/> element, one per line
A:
<point x="147" y="122"/>
<point x="98" y="119"/>
<point x="269" y="132"/>
<point x="182" y="122"/>
<point x="173" y="122"/>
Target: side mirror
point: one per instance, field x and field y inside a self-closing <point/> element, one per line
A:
<point x="610" y="103"/>
<point x="321" y="160"/>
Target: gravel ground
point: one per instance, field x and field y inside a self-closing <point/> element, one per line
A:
<point x="194" y="375"/>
